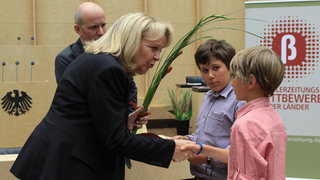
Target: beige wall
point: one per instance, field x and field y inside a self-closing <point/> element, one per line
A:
<point x="36" y="80"/>
<point x="51" y="23"/>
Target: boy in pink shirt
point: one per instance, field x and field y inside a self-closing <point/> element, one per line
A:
<point x="258" y="136"/>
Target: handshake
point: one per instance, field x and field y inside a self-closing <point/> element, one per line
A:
<point x="184" y="148"/>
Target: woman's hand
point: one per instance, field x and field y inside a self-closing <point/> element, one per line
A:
<point x="179" y="154"/>
<point x="179" y="138"/>
<point x="138" y="124"/>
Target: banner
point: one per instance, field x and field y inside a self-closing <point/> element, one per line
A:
<point x="291" y="29"/>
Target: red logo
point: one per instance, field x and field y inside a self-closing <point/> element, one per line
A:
<point x="297" y="43"/>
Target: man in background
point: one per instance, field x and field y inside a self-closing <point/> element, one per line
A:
<point x="89" y="24"/>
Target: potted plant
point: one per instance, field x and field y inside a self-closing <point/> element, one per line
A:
<point x="181" y="107"/>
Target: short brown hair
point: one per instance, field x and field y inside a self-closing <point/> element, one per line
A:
<point x="219" y="49"/>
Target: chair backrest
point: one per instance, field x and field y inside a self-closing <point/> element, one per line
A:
<point x="195" y="79"/>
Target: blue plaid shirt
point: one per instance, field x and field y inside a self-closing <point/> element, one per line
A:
<point x="215" y="118"/>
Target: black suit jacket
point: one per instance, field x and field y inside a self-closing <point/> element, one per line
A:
<point x="66" y="56"/>
<point x="70" y="53"/>
<point x="84" y="135"/>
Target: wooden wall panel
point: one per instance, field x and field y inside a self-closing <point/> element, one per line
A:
<point x="115" y="9"/>
<point x="15" y="129"/>
<point x="15" y="11"/>
<point x="41" y="88"/>
<point x="15" y="21"/>
<point x="55" y="12"/>
<point x="42" y="56"/>
<point x="176" y="12"/>
<point x="235" y="38"/>
<point x="64" y="34"/>
<point x="54" y="22"/>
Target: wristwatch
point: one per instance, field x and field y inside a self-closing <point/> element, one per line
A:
<point x="208" y="160"/>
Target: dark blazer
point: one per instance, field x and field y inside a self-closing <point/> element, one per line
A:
<point x="84" y="135"/>
<point x="66" y="56"/>
<point x="70" y="53"/>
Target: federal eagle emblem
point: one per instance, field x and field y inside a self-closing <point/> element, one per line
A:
<point x="16" y="105"/>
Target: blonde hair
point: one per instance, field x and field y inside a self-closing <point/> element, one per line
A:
<point x="263" y="63"/>
<point x="123" y="38"/>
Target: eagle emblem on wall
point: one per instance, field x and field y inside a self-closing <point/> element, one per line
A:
<point x="14" y="104"/>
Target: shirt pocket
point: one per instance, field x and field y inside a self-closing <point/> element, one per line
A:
<point x="219" y="124"/>
<point x="216" y="131"/>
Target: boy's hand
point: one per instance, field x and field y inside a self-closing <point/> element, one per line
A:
<point x="198" y="159"/>
<point x="195" y="148"/>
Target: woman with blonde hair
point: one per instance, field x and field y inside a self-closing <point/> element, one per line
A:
<point x="86" y="133"/>
<point x="123" y="39"/>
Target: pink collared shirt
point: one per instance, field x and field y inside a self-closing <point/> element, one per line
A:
<point x="258" y="143"/>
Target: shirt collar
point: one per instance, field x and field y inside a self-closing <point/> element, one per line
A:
<point x="224" y="93"/>
<point x="256" y="103"/>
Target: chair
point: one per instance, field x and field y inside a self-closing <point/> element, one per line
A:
<point x="195" y="79"/>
